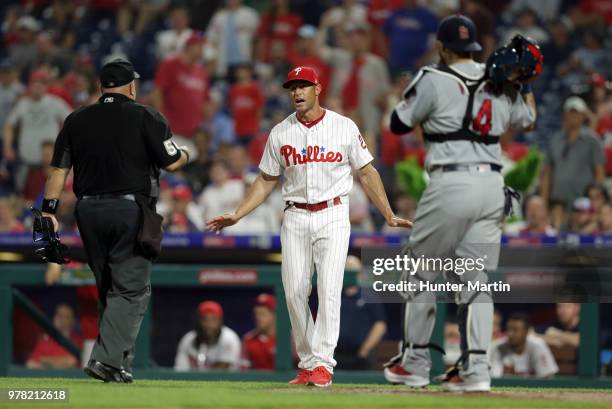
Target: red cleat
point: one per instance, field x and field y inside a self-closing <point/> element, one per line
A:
<point x="301" y="378"/>
<point x="320" y="377"/>
<point x="396" y="374"/>
<point x="456" y="383"/>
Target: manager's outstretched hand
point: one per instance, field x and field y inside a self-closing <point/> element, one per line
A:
<point x="399" y="222"/>
<point x="218" y="223"/>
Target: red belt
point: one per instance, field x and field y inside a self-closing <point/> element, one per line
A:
<point x="315" y="207"/>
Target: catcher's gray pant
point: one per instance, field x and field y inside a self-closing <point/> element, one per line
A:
<point x="459" y="216"/>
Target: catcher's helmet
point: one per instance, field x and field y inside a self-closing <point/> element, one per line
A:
<point x="501" y="64"/>
<point x="458" y="33"/>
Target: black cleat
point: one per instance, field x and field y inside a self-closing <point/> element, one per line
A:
<point x="127" y="376"/>
<point x="103" y="372"/>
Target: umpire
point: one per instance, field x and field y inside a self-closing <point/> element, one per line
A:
<point x="116" y="148"/>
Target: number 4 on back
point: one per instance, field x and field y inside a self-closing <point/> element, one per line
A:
<point x="482" y="121"/>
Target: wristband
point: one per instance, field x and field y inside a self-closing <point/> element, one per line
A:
<point x="526" y="88"/>
<point x="50" y="205"/>
<point x="185" y="151"/>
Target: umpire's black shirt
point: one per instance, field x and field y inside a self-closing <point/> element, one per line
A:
<point x="116" y="146"/>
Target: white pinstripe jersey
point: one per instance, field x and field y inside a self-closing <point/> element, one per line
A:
<point x="315" y="159"/>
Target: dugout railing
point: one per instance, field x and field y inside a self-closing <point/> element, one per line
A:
<point x="13" y="276"/>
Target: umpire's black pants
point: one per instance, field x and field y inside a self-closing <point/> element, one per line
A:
<point x="109" y="230"/>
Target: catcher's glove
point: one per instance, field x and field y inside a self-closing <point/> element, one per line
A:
<point x="43" y="232"/>
<point x="531" y="60"/>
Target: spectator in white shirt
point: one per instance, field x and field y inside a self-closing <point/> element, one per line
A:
<point x="521" y="353"/>
<point x="263" y="220"/>
<point x="172" y="41"/>
<point x="39" y="116"/>
<point x="223" y="194"/>
<point x="231" y="31"/>
<point x="211" y="345"/>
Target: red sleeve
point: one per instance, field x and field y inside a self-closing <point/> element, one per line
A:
<point x="163" y="75"/>
<point x="232" y="97"/>
<point x="38" y="351"/>
<point x="246" y="356"/>
<point x="586" y="6"/>
<point x="262" y="30"/>
<point x="259" y="96"/>
<point x="29" y="188"/>
<point x="297" y="23"/>
<point x="87" y="301"/>
<point x="207" y="82"/>
<point x="76" y="339"/>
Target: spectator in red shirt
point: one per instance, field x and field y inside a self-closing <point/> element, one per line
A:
<point x="587" y="13"/>
<point x="87" y="305"/>
<point x="181" y="90"/>
<point x="278" y="24"/>
<point x="246" y="101"/>
<point x="184" y="215"/>
<point x="259" y="345"/>
<point x="378" y="12"/>
<point x="48" y="353"/>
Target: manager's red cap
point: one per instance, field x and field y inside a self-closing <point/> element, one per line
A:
<point x="210" y="308"/>
<point x="302" y="74"/>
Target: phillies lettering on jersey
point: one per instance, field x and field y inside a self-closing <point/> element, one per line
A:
<point x="310" y="154"/>
<point x="315" y="159"/>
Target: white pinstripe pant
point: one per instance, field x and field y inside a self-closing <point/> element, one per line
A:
<point x="315" y="239"/>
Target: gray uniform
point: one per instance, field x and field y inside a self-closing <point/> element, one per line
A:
<point x="460" y="213"/>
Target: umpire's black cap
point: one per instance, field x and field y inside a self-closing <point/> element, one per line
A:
<point x="117" y="72"/>
<point x="458" y="33"/>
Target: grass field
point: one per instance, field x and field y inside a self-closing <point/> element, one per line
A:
<point x="200" y="394"/>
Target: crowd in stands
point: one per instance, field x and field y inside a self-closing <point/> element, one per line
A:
<point x="215" y="70"/>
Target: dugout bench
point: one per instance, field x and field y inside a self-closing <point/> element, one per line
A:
<point x="15" y="275"/>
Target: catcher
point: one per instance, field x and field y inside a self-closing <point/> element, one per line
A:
<point x="463" y="108"/>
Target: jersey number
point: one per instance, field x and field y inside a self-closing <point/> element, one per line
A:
<point x="170" y="147"/>
<point x="482" y="121"/>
